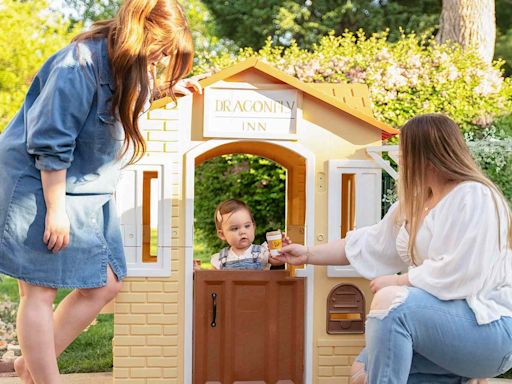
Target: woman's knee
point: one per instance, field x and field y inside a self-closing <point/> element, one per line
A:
<point x="388" y="298"/>
<point x="106" y="293"/>
<point x="358" y="373"/>
<point x="31" y="292"/>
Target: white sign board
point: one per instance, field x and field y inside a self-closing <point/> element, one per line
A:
<point x="251" y="113"/>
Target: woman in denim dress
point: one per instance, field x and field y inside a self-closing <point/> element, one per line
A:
<point x="60" y="161"/>
<point x="447" y="318"/>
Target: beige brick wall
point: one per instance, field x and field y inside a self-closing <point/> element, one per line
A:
<point x="335" y="358"/>
<point x="146" y="311"/>
<point x="146" y="332"/>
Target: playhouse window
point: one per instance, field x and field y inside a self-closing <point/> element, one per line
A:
<point x="144" y="207"/>
<point x="348" y="203"/>
<point x="354" y="201"/>
<point x="150" y="187"/>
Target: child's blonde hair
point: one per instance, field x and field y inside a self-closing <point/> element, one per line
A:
<point x="229" y="206"/>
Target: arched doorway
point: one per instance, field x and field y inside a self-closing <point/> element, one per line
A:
<point x="295" y="180"/>
<point x="300" y="164"/>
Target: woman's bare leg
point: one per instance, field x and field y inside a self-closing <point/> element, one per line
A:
<point x="74" y="313"/>
<point x="35" y="333"/>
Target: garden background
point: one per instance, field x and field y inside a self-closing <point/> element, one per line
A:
<point x="390" y="45"/>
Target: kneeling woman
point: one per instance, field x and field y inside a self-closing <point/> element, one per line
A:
<point x="448" y="316"/>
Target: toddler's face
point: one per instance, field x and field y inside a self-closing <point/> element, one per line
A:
<point x="237" y="229"/>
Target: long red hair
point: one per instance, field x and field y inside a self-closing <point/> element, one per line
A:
<point x="140" y="30"/>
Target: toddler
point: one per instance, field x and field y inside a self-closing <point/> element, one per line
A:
<point x="235" y="225"/>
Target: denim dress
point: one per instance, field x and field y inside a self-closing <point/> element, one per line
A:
<point x="65" y="122"/>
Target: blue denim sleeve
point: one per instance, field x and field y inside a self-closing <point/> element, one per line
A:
<point x="57" y="115"/>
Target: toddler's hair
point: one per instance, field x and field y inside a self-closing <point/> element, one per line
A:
<point x="229" y="206"/>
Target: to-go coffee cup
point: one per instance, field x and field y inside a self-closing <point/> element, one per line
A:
<point x="275" y="242"/>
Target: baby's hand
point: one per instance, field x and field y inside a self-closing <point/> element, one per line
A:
<point x="274" y="261"/>
<point x="286" y="240"/>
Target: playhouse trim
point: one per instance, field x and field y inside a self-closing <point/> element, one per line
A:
<point x="310" y="89"/>
<point x="308" y="272"/>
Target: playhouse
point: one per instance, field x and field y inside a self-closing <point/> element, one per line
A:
<point x="177" y="325"/>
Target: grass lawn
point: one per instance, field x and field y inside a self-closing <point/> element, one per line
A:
<point x="203" y="254"/>
<point x="91" y="351"/>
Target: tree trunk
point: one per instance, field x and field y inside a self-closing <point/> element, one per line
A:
<point x="472" y="23"/>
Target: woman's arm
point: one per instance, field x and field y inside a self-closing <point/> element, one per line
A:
<point x="332" y="253"/>
<point x="56" y="234"/>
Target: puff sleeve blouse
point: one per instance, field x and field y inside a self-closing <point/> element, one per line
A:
<point x="461" y="247"/>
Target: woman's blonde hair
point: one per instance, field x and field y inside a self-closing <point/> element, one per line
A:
<point x="142" y="28"/>
<point x="434" y="140"/>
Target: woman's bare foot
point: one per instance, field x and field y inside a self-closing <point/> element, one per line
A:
<point x="22" y="371"/>
<point x="478" y="381"/>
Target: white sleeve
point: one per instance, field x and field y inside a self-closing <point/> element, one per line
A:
<point x="215" y="262"/>
<point x="464" y="241"/>
<point x="372" y="250"/>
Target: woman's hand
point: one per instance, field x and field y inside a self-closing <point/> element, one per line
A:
<point x="56" y="233"/>
<point x="384" y="281"/>
<point x="294" y="254"/>
<point x="272" y="259"/>
<point x="183" y="85"/>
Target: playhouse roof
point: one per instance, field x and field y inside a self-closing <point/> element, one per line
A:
<point x="330" y="93"/>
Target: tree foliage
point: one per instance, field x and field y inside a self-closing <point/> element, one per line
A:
<point x="88" y="11"/>
<point x="30" y="33"/>
<point x="249" y="24"/>
<point x="200" y="20"/>
<point x="259" y="182"/>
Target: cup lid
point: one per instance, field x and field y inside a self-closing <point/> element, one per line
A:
<point x="274" y="233"/>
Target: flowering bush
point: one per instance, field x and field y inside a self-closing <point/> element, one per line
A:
<point x="414" y="75"/>
<point x="493" y="152"/>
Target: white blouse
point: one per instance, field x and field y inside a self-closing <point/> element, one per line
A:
<point x="459" y="253"/>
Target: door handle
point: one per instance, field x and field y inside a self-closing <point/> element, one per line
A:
<point x="213" y="324"/>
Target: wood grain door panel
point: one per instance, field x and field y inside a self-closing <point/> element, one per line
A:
<point x="258" y="335"/>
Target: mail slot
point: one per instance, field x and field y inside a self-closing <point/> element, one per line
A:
<point x="345" y="310"/>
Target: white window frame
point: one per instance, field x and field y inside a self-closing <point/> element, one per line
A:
<point x="162" y="266"/>
<point x="335" y="170"/>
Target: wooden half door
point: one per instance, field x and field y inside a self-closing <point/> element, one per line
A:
<point x="248" y="327"/>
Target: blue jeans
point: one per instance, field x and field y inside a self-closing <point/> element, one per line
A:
<point x="426" y="340"/>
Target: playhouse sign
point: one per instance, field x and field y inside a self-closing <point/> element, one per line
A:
<point x="251" y="113"/>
